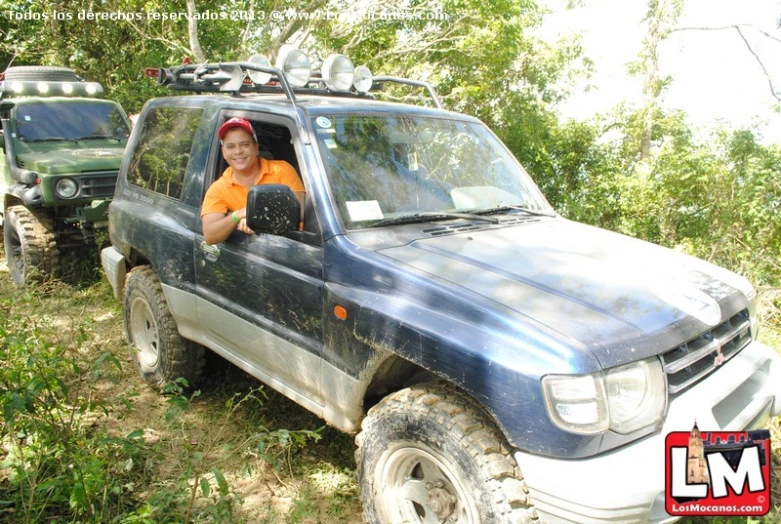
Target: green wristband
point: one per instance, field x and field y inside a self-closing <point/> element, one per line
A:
<point x="235" y="217"/>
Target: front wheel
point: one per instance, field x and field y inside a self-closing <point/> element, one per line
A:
<point x="427" y="454"/>
<point x="160" y="353"/>
<point x="30" y="246"/>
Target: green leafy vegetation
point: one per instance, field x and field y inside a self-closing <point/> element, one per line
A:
<point x="83" y="440"/>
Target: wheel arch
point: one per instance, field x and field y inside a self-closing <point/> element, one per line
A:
<point x="395" y="373"/>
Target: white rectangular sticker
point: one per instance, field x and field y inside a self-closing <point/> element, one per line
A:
<point x="364" y="210"/>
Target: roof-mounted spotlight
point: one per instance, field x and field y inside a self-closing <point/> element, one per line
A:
<point x="296" y="66"/>
<point x="91" y="89"/>
<point x="43" y="87"/>
<point x="17" y="87"/>
<point x="363" y="79"/>
<point x="338" y="72"/>
<point x="67" y="88"/>
<point x="259" y="77"/>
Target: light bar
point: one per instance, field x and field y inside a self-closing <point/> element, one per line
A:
<point x="34" y="88"/>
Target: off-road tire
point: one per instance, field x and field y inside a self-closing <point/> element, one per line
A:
<point x="30" y="246"/>
<point x="428" y="433"/>
<point x="160" y="353"/>
<point x="40" y="74"/>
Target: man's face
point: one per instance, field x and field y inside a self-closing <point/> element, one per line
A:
<point x="239" y="150"/>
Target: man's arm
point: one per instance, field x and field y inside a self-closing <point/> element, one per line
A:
<point x="217" y="227"/>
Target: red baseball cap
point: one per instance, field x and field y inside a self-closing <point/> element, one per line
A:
<point x="236" y="122"/>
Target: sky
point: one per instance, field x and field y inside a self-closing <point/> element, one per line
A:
<point x="714" y="76"/>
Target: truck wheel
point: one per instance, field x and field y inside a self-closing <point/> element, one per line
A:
<point x="426" y="454"/>
<point x="40" y="73"/>
<point x="160" y="353"/>
<point x="30" y="246"/>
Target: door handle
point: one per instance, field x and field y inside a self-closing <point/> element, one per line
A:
<point x="210" y="252"/>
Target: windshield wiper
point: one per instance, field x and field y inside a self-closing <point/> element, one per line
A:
<point x="434" y="215"/>
<point x="94" y="137"/>
<point x="510" y="207"/>
<point x="48" y="139"/>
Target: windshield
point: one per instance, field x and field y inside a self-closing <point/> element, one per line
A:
<point x="383" y="168"/>
<point x="44" y="121"/>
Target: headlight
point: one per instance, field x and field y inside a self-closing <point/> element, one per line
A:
<point x="66" y="188"/>
<point x="623" y="399"/>
<point x="636" y="395"/>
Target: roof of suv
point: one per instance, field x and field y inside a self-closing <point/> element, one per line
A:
<point x="316" y="104"/>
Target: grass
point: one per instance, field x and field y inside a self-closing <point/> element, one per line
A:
<point x="233" y="451"/>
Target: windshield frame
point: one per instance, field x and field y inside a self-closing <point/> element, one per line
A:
<point x="348" y="225"/>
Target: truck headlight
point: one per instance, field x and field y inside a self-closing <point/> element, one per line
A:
<point x="66" y="188"/>
<point x="623" y="399"/>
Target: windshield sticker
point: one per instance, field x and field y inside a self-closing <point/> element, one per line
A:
<point x="364" y="210"/>
<point x="27" y="118"/>
<point x="323" y="122"/>
<point x="330" y="143"/>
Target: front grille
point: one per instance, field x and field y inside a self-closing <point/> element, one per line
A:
<point x="98" y="186"/>
<point x="688" y="363"/>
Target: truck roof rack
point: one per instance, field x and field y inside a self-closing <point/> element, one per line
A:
<point x="234" y="77"/>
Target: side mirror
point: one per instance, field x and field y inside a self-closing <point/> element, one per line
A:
<point x="273" y="208"/>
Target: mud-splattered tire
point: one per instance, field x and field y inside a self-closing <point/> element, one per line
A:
<point x="30" y="246"/>
<point x="159" y="351"/>
<point x="40" y="73"/>
<point x="427" y="454"/>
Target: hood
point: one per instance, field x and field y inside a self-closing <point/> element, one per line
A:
<point x="72" y="161"/>
<point x="621" y="298"/>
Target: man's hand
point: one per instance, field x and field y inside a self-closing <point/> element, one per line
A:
<point x="217" y="227"/>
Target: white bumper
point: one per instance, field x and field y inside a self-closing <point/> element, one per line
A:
<point x="627" y="485"/>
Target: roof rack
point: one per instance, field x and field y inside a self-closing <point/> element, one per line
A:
<point x="232" y="77"/>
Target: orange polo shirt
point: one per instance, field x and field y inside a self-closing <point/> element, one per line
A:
<point x="225" y="195"/>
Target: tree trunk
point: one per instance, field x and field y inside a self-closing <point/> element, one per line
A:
<point x="192" y="29"/>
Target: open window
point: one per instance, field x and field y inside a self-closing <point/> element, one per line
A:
<point x="275" y="141"/>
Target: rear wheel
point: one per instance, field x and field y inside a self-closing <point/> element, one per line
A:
<point x="30" y="246"/>
<point x="160" y="353"/>
<point x="427" y="454"/>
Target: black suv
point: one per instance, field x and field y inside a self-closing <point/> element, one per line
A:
<point x="498" y="362"/>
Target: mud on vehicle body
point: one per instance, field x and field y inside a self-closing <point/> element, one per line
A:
<point x="60" y="152"/>
<point x="496" y="362"/>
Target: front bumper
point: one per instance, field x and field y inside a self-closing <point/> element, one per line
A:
<point x="627" y="484"/>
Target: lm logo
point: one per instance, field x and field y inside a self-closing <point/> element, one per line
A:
<point x="717" y="473"/>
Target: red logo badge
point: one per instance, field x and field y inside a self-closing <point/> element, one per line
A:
<point x="717" y="473"/>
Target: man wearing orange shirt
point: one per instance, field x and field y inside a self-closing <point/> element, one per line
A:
<point x="224" y="207"/>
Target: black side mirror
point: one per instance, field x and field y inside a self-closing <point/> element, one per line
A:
<point x="273" y="208"/>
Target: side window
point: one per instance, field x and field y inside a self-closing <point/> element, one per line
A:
<point x="160" y="158"/>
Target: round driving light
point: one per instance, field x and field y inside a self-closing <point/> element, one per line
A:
<point x="91" y="89"/>
<point x="338" y="72"/>
<point x="259" y="77"/>
<point x="296" y="67"/>
<point x="43" y="87"/>
<point x="66" y="188"/>
<point x="362" y="81"/>
<point x="17" y="87"/>
<point x="67" y="89"/>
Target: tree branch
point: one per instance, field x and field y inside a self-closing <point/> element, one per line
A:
<point x="737" y="28"/>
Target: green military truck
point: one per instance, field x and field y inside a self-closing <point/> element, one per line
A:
<point x="61" y="147"/>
